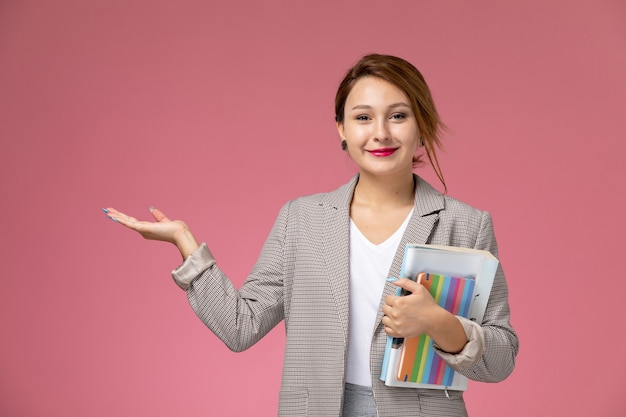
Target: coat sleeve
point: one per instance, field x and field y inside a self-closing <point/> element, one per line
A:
<point x="240" y="318"/>
<point x="500" y="340"/>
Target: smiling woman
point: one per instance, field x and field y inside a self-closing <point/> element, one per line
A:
<point x="380" y="128"/>
<point x="324" y="267"/>
<point x="412" y="85"/>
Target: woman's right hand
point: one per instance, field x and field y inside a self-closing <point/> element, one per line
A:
<point x="164" y="229"/>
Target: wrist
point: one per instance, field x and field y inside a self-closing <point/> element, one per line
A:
<point x="447" y="331"/>
<point x="186" y="242"/>
<point x="437" y="317"/>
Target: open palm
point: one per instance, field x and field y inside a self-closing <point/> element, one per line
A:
<point x="164" y="229"/>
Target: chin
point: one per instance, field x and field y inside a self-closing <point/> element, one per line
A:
<point x="387" y="171"/>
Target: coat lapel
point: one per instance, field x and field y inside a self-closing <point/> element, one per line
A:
<point x="336" y="207"/>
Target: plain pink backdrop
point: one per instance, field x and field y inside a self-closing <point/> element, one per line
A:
<point x="219" y="112"/>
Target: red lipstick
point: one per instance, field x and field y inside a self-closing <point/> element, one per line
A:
<point x="382" y="151"/>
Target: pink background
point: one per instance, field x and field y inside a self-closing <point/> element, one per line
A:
<point x="219" y="112"/>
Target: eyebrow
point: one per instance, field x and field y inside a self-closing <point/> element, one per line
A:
<point x="393" y="106"/>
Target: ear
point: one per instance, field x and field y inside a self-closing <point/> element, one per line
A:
<point x="341" y="130"/>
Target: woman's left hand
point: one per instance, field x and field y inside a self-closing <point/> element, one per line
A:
<point x="418" y="313"/>
<point x="410" y="315"/>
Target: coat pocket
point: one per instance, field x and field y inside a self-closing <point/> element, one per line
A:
<point x="293" y="402"/>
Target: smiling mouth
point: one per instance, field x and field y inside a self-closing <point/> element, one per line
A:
<point x="382" y="151"/>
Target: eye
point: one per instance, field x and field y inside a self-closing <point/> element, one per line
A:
<point x="398" y="116"/>
<point x="362" y="117"/>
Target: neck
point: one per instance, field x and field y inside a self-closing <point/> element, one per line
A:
<point x="384" y="191"/>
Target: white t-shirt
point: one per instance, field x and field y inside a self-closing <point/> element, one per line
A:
<point x="369" y="267"/>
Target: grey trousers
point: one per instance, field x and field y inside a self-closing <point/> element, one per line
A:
<point x="358" y="401"/>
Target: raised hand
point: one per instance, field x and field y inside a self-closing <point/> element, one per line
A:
<point x="164" y="229"/>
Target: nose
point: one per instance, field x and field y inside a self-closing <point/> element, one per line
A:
<point x="381" y="130"/>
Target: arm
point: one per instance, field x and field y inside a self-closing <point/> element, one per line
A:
<point x="238" y="317"/>
<point x="242" y="317"/>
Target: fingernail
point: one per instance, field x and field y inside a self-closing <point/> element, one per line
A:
<point x="151" y="209"/>
<point x="105" y="210"/>
<point x="392" y="279"/>
<point x="113" y="218"/>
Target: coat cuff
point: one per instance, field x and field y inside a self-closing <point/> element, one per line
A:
<point x="191" y="268"/>
<point x="472" y="351"/>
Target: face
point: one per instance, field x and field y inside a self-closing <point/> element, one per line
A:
<point x="380" y="128"/>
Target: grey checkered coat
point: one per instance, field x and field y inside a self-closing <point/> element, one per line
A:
<point x="301" y="277"/>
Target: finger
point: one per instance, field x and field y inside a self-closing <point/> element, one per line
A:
<point x="130" y="222"/>
<point x="114" y="214"/>
<point x="389" y="318"/>
<point x="389" y="300"/>
<point x="407" y="284"/>
<point x="387" y="309"/>
<point x="392" y="300"/>
<point x="109" y="211"/>
<point x="391" y="332"/>
<point x="124" y="219"/>
<point x="158" y="215"/>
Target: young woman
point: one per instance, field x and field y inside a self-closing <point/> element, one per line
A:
<point x="325" y="264"/>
